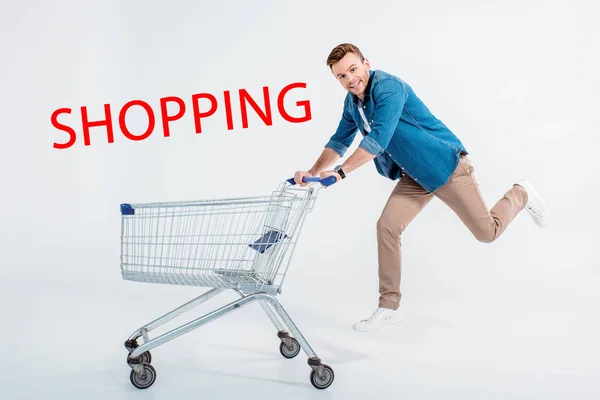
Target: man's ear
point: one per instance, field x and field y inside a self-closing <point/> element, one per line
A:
<point x="367" y="63"/>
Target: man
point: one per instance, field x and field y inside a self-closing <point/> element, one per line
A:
<point x="407" y="142"/>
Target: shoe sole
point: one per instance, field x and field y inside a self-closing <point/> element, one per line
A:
<point x="397" y="321"/>
<point x="531" y="192"/>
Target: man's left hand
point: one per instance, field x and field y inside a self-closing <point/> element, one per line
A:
<point x="325" y="174"/>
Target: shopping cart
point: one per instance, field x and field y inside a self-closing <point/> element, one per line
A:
<point x="243" y="244"/>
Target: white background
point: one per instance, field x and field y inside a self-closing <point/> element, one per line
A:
<point x="515" y="80"/>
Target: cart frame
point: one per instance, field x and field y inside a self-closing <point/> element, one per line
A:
<point x="268" y="274"/>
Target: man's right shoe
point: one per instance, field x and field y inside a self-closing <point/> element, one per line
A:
<point x="380" y="318"/>
<point x="535" y="205"/>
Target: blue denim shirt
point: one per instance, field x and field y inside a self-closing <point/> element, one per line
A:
<point x="404" y="135"/>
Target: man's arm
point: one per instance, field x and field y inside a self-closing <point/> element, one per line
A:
<point x="339" y="142"/>
<point x="390" y="96"/>
<point x="357" y="159"/>
<point x="327" y="158"/>
<point x="334" y="149"/>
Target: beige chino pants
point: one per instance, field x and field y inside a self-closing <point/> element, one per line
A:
<point x="461" y="193"/>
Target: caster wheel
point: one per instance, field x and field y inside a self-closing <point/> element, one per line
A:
<point x="290" y="353"/>
<point x="146" y="357"/>
<point x="143" y="381"/>
<point x="327" y="379"/>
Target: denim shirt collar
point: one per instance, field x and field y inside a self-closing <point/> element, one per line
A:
<point x="355" y="98"/>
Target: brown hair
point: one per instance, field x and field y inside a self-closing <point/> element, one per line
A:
<point x="340" y="51"/>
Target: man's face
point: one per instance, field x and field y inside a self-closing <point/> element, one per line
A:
<point x="352" y="74"/>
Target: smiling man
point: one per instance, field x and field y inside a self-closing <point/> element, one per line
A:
<point x="409" y="144"/>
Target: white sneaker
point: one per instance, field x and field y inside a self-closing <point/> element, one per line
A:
<point x="535" y="205"/>
<point x="380" y="318"/>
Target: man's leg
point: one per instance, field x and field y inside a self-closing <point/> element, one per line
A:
<point x="461" y="193"/>
<point x="406" y="200"/>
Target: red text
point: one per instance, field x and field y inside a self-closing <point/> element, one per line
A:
<point x="210" y="104"/>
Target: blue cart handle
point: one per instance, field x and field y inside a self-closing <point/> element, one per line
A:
<point x="330" y="180"/>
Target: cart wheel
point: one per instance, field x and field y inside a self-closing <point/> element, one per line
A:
<point x="146" y="357"/>
<point x="322" y="383"/>
<point x="290" y="353"/>
<point x="143" y="381"/>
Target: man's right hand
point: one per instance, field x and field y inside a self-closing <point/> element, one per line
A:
<point x="298" y="178"/>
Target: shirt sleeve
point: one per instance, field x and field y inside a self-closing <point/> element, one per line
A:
<point x="344" y="135"/>
<point x="389" y="97"/>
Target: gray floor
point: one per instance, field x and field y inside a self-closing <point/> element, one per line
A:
<point x="63" y="340"/>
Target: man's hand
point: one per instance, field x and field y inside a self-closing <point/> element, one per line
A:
<point x="325" y="174"/>
<point x="298" y="178"/>
<point x="328" y="157"/>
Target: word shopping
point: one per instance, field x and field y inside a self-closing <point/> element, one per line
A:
<point x="198" y="113"/>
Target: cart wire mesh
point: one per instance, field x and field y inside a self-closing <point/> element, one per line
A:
<point x="223" y="243"/>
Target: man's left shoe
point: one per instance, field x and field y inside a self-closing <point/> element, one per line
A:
<point x="535" y="205"/>
<point x="380" y="318"/>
